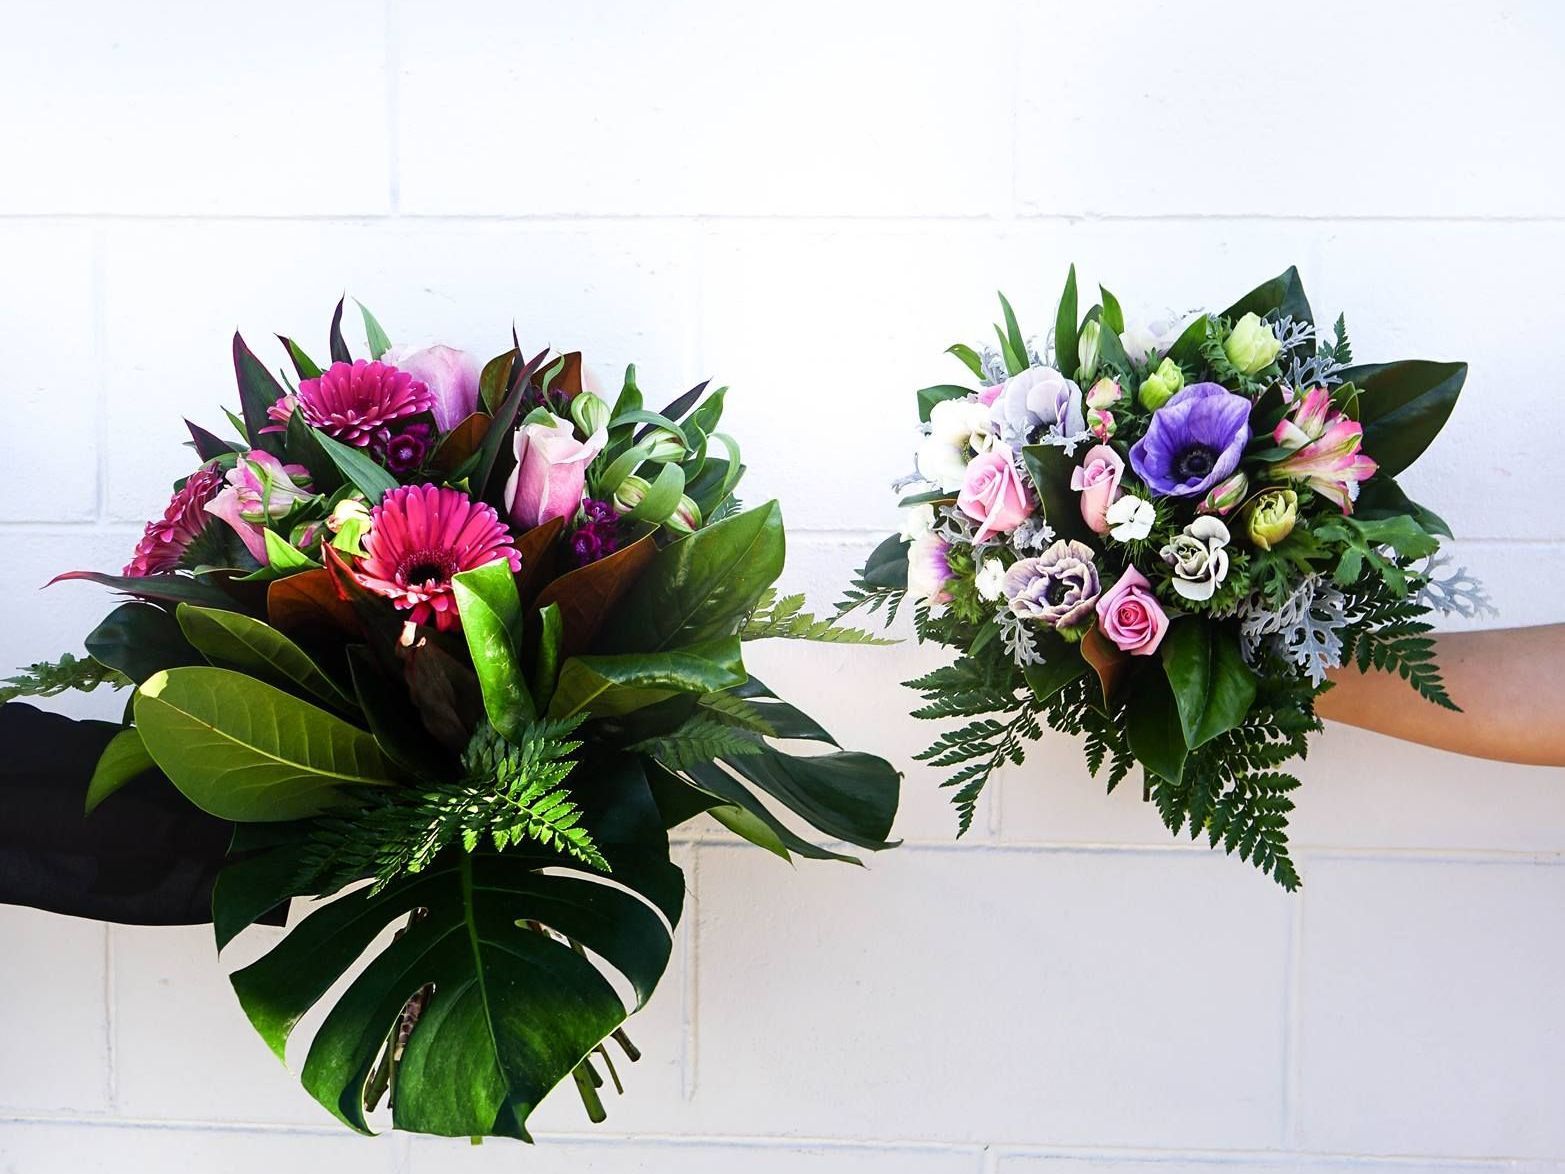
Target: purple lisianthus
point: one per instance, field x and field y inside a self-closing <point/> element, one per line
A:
<point x="1059" y="586"/>
<point x="1195" y="441"/>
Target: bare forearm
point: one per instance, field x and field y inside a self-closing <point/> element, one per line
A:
<point x="1509" y="682"/>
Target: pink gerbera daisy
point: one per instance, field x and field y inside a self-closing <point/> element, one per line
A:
<point x="422" y="535"/>
<point x="356" y="403"/>
<point x="166" y="539"/>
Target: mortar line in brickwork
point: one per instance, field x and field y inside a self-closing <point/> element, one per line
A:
<point x="393" y="112"/>
<point x="690" y="1009"/>
<point x="111" y="1056"/>
<point x="1293" y="1022"/>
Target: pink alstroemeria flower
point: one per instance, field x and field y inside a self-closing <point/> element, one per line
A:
<point x="1324" y="448"/>
<point x="259" y="489"/>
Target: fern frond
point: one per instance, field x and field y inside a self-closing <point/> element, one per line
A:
<point x="508" y="793"/>
<point x="700" y="740"/>
<point x="48" y="678"/>
<point x="737" y="712"/>
<point x="785" y="618"/>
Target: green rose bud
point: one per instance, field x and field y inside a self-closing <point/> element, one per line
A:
<point x="1251" y="345"/>
<point x="1270" y="516"/>
<point x="1159" y="387"/>
<point x="662" y="445"/>
<point x="349" y="523"/>
<point x="1087" y="346"/>
<point x="630" y="492"/>
<point x="589" y="413"/>
<point x="686" y="518"/>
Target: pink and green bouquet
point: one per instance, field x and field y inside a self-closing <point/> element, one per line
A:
<point x="1163" y="539"/>
<point x="448" y="650"/>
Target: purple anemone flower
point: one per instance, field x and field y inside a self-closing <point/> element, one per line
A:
<point x="1058" y="587"/>
<point x="1195" y="441"/>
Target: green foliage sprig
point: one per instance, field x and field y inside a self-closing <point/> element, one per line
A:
<point x="50" y="678"/>
<point x="784" y="617"/>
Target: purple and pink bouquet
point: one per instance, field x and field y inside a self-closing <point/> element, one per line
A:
<point x="1164" y="539"/>
<point x="447" y="649"/>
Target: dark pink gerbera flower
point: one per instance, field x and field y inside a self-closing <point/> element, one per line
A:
<point x="167" y="538"/>
<point x="357" y="402"/>
<point x="422" y="535"/>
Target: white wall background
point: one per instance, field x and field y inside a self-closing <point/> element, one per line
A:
<point x="809" y="201"/>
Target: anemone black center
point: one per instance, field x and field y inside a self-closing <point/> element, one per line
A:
<point x="1054" y="594"/>
<point x="1195" y="461"/>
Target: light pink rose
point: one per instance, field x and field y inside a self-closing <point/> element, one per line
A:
<point x="551" y="472"/>
<point x="1129" y="615"/>
<point x="993" y="493"/>
<point x="1097" y="479"/>
<point x="451" y="376"/>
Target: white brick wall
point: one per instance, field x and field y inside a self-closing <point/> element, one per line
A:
<point x="808" y="202"/>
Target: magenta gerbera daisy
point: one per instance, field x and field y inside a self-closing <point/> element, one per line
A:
<point x="167" y="538"/>
<point x="357" y="402"/>
<point x="422" y="535"/>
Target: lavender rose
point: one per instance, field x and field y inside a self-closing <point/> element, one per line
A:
<point x="1059" y="587"/>
<point x="1195" y="440"/>
<point x="993" y="493"/>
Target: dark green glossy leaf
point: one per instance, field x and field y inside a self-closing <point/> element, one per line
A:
<point x="928" y="397"/>
<point x="236" y="641"/>
<point x="243" y="750"/>
<point x="1152" y="725"/>
<point x="140" y="639"/>
<point x="358" y="467"/>
<point x="495" y="380"/>
<point x="491" y="612"/>
<point x="611" y="686"/>
<point x="1061" y="665"/>
<point x="302" y="363"/>
<point x="1381" y="497"/>
<point x="167" y="588"/>
<point x="303" y="446"/>
<point x="968" y="357"/>
<point x="1050" y="470"/>
<point x="1403" y="406"/>
<point x="209" y="446"/>
<point x="1187" y="347"/>
<point x="1015" y="344"/>
<point x="123" y="759"/>
<point x="1213" y="687"/>
<point x="258" y="391"/>
<point x="1113" y="316"/>
<point x="701" y="586"/>
<point x="339" y="348"/>
<point x="373" y="332"/>
<point x="745" y="815"/>
<point x="393" y="718"/>
<point x="1065" y="327"/>
<point x="847" y="795"/>
<point x="1282" y="294"/>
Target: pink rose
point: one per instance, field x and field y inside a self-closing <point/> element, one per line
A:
<point x="451" y="376"/>
<point x="550" y="477"/>
<point x="1097" y="480"/>
<point x="1129" y="615"/>
<point x="993" y="493"/>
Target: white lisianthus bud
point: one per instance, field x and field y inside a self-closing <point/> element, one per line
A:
<point x="589" y="413"/>
<point x="662" y="445"/>
<point x="630" y="493"/>
<point x="990" y="580"/>
<point x="1088" y="344"/>
<point x="686" y="518"/>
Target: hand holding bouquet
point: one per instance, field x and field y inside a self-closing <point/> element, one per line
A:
<point x="1163" y="539"/>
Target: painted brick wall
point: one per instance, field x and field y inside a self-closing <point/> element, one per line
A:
<point x="809" y="202"/>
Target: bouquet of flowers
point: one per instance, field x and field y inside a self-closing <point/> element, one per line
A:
<point x="1163" y="538"/>
<point x="451" y="649"/>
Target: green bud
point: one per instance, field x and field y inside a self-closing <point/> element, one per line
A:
<point x="630" y="493"/>
<point x="1270" y="516"/>
<point x="589" y="413"/>
<point x="662" y="446"/>
<point x="1087" y="347"/>
<point x="686" y="518"/>
<point x="1159" y="387"/>
<point x="1251" y="345"/>
<point x="349" y="523"/>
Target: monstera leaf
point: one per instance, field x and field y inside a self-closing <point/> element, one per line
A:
<point x="492" y="948"/>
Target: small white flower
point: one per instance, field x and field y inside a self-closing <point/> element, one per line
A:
<point x="1130" y="518"/>
<point x="990" y="580"/>
<point x="917" y="521"/>
<point x="1141" y="339"/>
<point x="941" y="465"/>
<point x="963" y="424"/>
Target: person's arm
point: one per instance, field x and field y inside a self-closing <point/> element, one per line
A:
<point x="1510" y="683"/>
